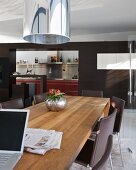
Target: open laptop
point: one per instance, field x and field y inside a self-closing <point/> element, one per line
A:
<point x="13" y="123"/>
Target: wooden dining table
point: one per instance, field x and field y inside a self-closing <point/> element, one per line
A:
<point x="75" y="121"/>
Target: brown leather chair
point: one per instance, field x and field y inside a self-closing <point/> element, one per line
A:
<point x="39" y="98"/>
<point x="92" y="93"/>
<point x="93" y="151"/>
<point x="101" y="163"/>
<point x="13" y="104"/>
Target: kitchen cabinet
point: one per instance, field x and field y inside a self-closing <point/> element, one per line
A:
<point x="56" y="84"/>
<point x="116" y="61"/>
<point x="69" y="87"/>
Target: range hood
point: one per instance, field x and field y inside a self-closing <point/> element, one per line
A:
<point x="47" y="21"/>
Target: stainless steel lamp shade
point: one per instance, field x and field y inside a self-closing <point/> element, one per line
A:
<point x="46" y="21"/>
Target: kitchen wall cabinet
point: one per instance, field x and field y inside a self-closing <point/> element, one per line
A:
<point x="116" y="61"/>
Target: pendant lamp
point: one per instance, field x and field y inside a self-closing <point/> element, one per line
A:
<point x="47" y="21"/>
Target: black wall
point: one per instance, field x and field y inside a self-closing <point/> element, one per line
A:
<point x="111" y="82"/>
<point x="8" y="65"/>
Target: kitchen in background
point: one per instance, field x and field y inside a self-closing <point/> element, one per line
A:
<point x="63" y="65"/>
<point x="61" y="68"/>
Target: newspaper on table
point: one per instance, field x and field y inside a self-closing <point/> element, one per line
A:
<point x="39" y="141"/>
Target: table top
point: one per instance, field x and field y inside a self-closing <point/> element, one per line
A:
<point x="75" y="121"/>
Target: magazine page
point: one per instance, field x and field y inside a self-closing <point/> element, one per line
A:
<point x="39" y="141"/>
<point x="38" y="138"/>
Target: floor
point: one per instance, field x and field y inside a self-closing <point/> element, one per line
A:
<point x="128" y="145"/>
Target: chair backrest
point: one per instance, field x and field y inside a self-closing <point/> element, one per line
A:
<point x="92" y="93"/>
<point x="0" y="106"/>
<point x="105" y="156"/>
<point x="40" y="98"/>
<point x="28" y="102"/>
<point x="32" y="89"/>
<point x="119" y="105"/>
<point x="13" y="104"/>
<point x="106" y="129"/>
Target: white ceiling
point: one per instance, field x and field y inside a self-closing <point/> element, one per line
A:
<point x="88" y="17"/>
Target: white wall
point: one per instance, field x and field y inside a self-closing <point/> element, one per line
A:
<point x="69" y="56"/>
<point x="30" y="56"/>
<point x="116" y="36"/>
<point x="44" y="56"/>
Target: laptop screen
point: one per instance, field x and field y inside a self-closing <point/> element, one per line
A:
<point x="12" y="124"/>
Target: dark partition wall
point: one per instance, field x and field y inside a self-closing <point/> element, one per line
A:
<point x="7" y="66"/>
<point x="111" y="82"/>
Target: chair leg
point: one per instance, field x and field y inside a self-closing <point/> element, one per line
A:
<point x="111" y="165"/>
<point x="119" y="143"/>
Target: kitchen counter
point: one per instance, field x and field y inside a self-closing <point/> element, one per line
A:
<point x="61" y="79"/>
<point x="38" y="78"/>
<point x="27" y="75"/>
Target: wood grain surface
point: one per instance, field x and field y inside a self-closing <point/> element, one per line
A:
<point x="76" y="123"/>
